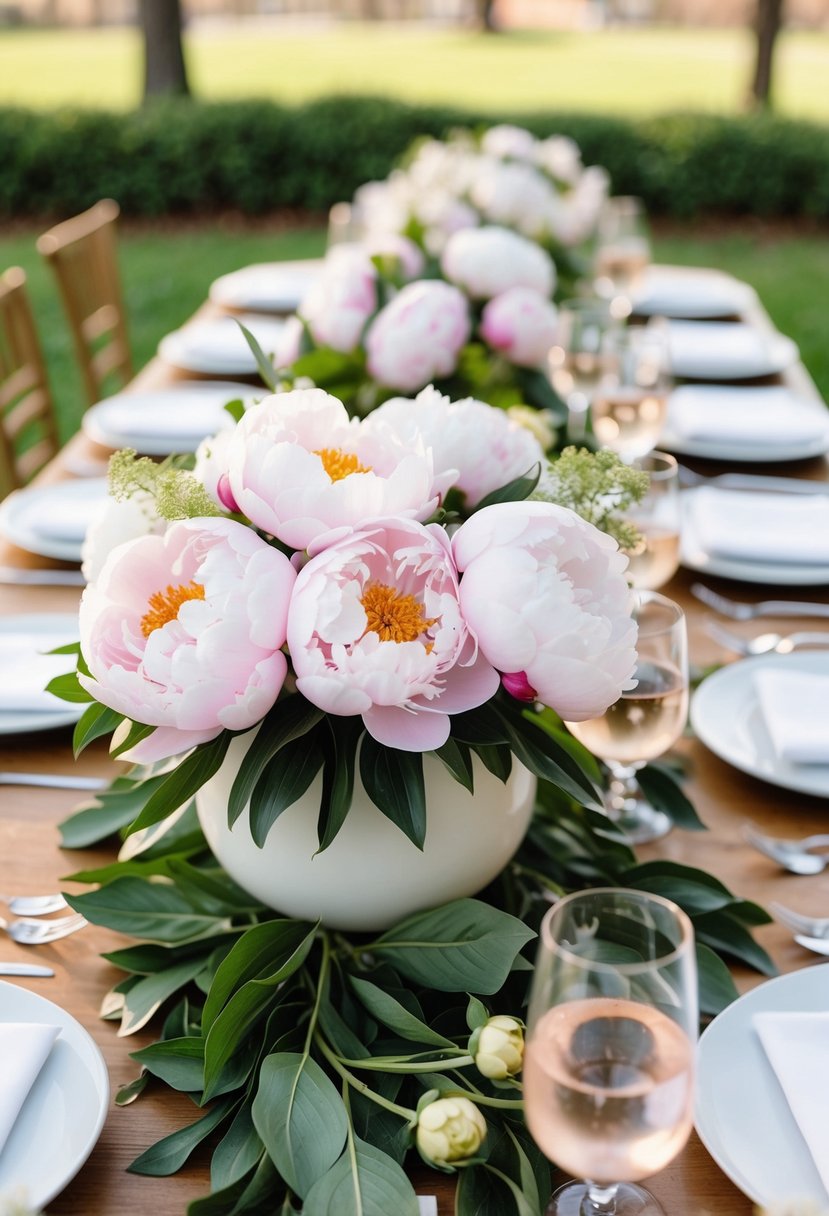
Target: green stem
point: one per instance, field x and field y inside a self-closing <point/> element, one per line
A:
<point x="323" y="977"/>
<point x="404" y="1112"/>
<point x="401" y="1064"/>
<point x="482" y="1100"/>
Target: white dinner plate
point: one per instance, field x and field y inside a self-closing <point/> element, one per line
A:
<point x="722" y="422"/>
<point x="726" y="717"/>
<point x="267" y="286"/>
<point x="691" y="292"/>
<point x="724" y="350"/>
<point x="160" y="421"/>
<point x="24" y="634"/>
<point x="742" y="1116"/>
<point x="52" y="520"/>
<point x="65" y="1110"/>
<point x="218" y="347"/>
<point x="694" y="556"/>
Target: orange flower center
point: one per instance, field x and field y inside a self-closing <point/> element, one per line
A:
<point x="163" y="606"/>
<point x="339" y="464"/>
<point x="394" y="617"/>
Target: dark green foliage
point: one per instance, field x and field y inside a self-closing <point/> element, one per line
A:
<point x="181" y="156"/>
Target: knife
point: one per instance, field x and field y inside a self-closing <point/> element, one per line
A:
<point x="25" y="969"/>
<point x="56" y="781"/>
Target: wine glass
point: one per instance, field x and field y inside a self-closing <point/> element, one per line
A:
<point x="623" y="250"/>
<point x="608" y="1066"/>
<point x="342" y="227"/>
<point x="647" y="719"/>
<point x="655" y="559"/>
<point x="580" y="355"/>
<point x="630" y="398"/>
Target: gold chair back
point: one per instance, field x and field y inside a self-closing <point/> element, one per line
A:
<point x="28" y="433"/>
<point x="82" y="253"/>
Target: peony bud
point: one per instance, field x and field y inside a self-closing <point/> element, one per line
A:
<point x="498" y="1047"/>
<point x="518" y="686"/>
<point x="449" y="1130"/>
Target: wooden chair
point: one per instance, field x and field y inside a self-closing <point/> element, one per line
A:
<point x="28" y="434"/>
<point x="82" y="253"/>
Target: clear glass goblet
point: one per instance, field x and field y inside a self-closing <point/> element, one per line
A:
<point x="647" y="719"/>
<point x="623" y="248"/>
<point x="580" y="356"/>
<point x="630" y="398"/>
<point x="655" y="559"/>
<point x="608" y="1067"/>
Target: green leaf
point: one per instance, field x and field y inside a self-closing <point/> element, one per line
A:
<point x="393" y="780"/>
<point x="179" y="786"/>
<point x="383" y="1006"/>
<point x="458" y="760"/>
<point x="236" y="409"/>
<point x="692" y="895"/>
<point x="465" y="946"/>
<point x="136" y="732"/>
<point x="477" y="1014"/>
<point x="68" y="688"/>
<point x="95" y="721"/>
<point x="514" y="491"/>
<point x="479" y="1193"/>
<point x="167" y="1156"/>
<point x="716" y="987"/>
<point x="723" y="933"/>
<point x="496" y="757"/>
<point x="363" y="1182"/>
<point x="152" y="910"/>
<point x="285" y="779"/>
<point x="661" y="787"/>
<point x="300" y="1118"/>
<point x="262" y="951"/>
<point x="237" y="1152"/>
<point x="133" y="1089"/>
<point x="263" y="363"/>
<point x="481" y="726"/>
<point x="251" y="1001"/>
<point x="179" y="1062"/>
<point x="112" y="810"/>
<point x="337" y="776"/>
<point x="538" y="752"/>
<point x="143" y="1000"/>
<point x="291" y="718"/>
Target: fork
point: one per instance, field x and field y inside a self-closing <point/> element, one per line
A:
<point x="739" y="611"/>
<point x="793" y="855"/>
<point x="34" y="905"/>
<point x="30" y="932"/>
<point x="764" y="642"/>
<point x="807" y="926"/>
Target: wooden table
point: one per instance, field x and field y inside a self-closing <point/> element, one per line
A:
<point x="32" y="862"/>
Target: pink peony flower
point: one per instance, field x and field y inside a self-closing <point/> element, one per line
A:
<point x="184" y="631"/>
<point x="418" y="336"/>
<point x="521" y="324"/>
<point x="545" y="593"/>
<point x="289" y="343"/>
<point x="298" y="466"/>
<point x="487" y="261"/>
<point x="404" y="250"/>
<point x="341" y="300"/>
<point x="476" y="446"/>
<point x="375" y="628"/>
<point x="507" y="141"/>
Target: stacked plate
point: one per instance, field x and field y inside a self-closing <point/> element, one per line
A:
<point x="161" y="421"/>
<point x="745" y="423"/>
<point x="218" y="347"/>
<point x="27" y="668"/>
<point x="52" y="521"/>
<point x="271" y="287"/>
<point x="691" y="293"/>
<point x="726" y="350"/>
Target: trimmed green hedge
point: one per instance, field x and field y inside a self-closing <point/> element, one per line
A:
<point x="183" y="156"/>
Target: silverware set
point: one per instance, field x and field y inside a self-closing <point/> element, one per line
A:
<point x="766" y="643"/>
<point x="806" y="855"/>
<point x="740" y="611"/>
<point x="30" y="928"/>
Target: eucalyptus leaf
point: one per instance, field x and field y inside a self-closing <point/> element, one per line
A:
<point x="383" y="1006"/>
<point x="464" y="946"/>
<point x="363" y="1182"/>
<point x="393" y="780"/>
<point x="146" y="997"/>
<point x="300" y="1117"/>
<point x="152" y="910"/>
<point x="237" y="1152"/>
<point x="179" y="1062"/>
<point x="167" y="1156"/>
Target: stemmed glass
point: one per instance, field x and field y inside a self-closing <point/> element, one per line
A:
<point x="580" y="355"/>
<point x="647" y="719"/>
<point x="608" y="1067"/>
<point x="623" y="250"/>
<point x="655" y="559"/>
<point x="630" y="398"/>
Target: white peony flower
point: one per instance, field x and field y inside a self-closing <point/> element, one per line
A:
<point x="418" y="336"/>
<point x="340" y="302"/>
<point x="118" y="521"/>
<point x="487" y="261"/>
<point x="504" y="140"/>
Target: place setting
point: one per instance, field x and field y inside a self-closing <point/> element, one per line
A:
<point x="267" y="287"/>
<point x="165" y="421"/>
<point x="216" y="346"/>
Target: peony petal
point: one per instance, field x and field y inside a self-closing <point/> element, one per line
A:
<point x="165" y="741"/>
<point x="407" y="730"/>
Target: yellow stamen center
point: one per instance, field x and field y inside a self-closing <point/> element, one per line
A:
<point x="394" y="617"/>
<point x="339" y="464"/>
<point x="163" y="606"/>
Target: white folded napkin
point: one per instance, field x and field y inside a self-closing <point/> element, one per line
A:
<point x="794" y="708"/>
<point x="710" y="349"/>
<point x="428" y="1205"/>
<point x="690" y="291"/>
<point x="25" y="671"/>
<point x="764" y="416"/>
<point x="751" y="526"/>
<point x="797" y="1047"/>
<point x="23" y="1050"/>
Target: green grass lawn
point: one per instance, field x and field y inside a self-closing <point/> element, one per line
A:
<point x="619" y="70"/>
<point x="166" y="277"/>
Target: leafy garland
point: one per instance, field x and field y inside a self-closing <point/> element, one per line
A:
<point x="275" y="1024"/>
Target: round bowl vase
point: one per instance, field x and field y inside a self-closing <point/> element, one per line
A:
<point x="371" y="875"/>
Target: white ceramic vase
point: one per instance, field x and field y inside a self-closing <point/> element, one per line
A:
<point x="371" y="875"/>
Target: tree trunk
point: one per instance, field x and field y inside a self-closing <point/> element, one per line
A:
<point x="164" y="71"/>
<point x="768" y="22"/>
<point x="485" y="12"/>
